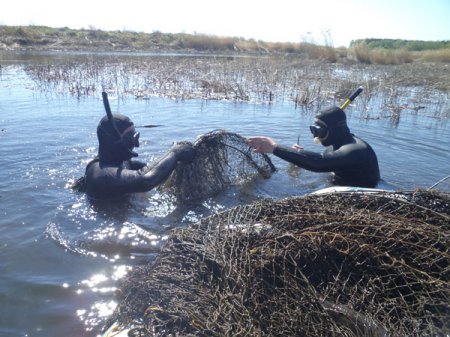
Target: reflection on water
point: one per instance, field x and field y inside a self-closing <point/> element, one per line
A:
<point x="105" y="286"/>
<point x="62" y="255"/>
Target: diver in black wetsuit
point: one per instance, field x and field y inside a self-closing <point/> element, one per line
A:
<point x="352" y="160"/>
<point x="113" y="173"/>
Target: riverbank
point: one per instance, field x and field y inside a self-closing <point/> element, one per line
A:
<point x="40" y="38"/>
<point x="368" y="51"/>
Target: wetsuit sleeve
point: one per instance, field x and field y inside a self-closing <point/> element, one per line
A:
<point x="111" y="181"/>
<point x="142" y="180"/>
<point x="317" y="162"/>
<point x="107" y="181"/>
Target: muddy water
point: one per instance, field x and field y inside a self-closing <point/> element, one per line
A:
<point x="60" y="255"/>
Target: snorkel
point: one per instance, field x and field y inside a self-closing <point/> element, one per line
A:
<point x="123" y="137"/>
<point x="320" y="130"/>
<point x="120" y="135"/>
<point x="109" y="113"/>
<point x="351" y="97"/>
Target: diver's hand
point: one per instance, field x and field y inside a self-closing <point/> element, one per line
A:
<point x="262" y="144"/>
<point x="297" y="147"/>
<point x="184" y="152"/>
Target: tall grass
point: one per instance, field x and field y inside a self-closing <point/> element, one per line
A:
<point x="363" y="54"/>
<point x="441" y="55"/>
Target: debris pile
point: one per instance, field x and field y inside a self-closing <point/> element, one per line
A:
<point x="340" y="264"/>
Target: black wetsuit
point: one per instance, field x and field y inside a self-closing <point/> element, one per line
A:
<point x="114" y="173"/>
<point x="107" y="180"/>
<point x="353" y="163"/>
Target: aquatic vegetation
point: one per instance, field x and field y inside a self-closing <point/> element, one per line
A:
<point x="308" y="84"/>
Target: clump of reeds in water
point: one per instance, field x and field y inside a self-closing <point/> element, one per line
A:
<point x="308" y="84"/>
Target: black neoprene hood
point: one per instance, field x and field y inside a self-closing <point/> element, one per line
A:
<point x="114" y="147"/>
<point x="332" y="117"/>
<point x="336" y="125"/>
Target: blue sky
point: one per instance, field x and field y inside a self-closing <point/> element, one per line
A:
<point x="335" y="21"/>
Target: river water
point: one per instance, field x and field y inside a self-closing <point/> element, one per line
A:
<point x="61" y="256"/>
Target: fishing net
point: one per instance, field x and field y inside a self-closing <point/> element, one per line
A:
<point x="222" y="159"/>
<point x="341" y="264"/>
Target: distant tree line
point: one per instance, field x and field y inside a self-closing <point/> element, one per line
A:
<point x="410" y="45"/>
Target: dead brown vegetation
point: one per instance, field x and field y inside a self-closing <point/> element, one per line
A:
<point x="308" y="83"/>
<point x="343" y="264"/>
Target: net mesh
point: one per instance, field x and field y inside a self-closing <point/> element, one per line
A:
<point x="341" y="264"/>
<point x="223" y="159"/>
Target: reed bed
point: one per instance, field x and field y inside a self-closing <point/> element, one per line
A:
<point x="308" y="84"/>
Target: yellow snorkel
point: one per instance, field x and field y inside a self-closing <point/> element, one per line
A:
<point x="351" y="98"/>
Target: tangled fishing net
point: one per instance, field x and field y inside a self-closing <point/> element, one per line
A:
<point x="222" y="159"/>
<point x="342" y="264"/>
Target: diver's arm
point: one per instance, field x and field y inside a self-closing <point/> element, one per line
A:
<point x="105" y="181"/>
<point x="306" y="159"/>
<point x="317" y="162"/>
<point x="149" y="177"/>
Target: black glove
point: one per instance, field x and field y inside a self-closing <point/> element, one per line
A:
<point x="184" y="152"/>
